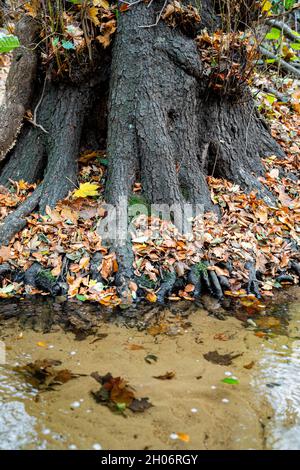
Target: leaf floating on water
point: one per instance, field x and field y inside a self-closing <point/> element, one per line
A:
<point x="134" y="347"/>
<point x="151" y="358"/>
<point x="221" y="359"/>
<point x="167" y="376"/>
<point x="249" y="366"/>
<point x="140" y="405"/>
<point x="230" y="380"/>
<point x="117" y="394"/>
<point x="42" y="373"/>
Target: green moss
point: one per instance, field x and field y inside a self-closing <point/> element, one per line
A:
<point x="46" y="274"/>
<point x="145" y="281"/>
<point x="201" y="267"/>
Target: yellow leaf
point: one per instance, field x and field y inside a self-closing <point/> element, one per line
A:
<point x="266" y="6"/>
<point x="107" y="30"/>
<point x="86" y="189"/>
<point x="101" y="3"/>
<point x="151" y="297"/>
<point x="32" y="8"/>
<point x="93" y="12"/>
<point x="41" y="344"/>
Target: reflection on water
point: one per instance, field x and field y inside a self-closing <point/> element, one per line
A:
<point x="279" y="381"/>
<point x="17" y="427"/>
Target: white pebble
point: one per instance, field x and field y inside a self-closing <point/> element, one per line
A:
<point x="194" y="410"/>
<point x="97" y="447"/>
<point x="72" y="353"/>
<point x="51" y="346"/>
<point x="173" y="436"/>
<point x="227" y="373"/>
<point x="225" y="400"/>
<point x="72" y="447"/>
<point x="213" y="387"/>
<point x="46" y="431"/>
<point x="75" y="404"/>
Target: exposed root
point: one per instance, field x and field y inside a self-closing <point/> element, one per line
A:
<point x="215" y="285"/>
<point x="5" y="269"/>
<point x="16" y="220"/>
<point x="37" y="276"/>
<point x="253" y="284"/>
<point x="166" y="287"/>
<point x="194" y="277"/>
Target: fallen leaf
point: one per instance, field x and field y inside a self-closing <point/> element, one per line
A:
<point x="249" y="366"/>
<point x="222" y="359"/>
<point x="167" y="376"/>
<point x="86" y="189"/>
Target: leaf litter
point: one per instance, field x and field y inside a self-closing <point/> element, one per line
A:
<point x="118" y="395"/>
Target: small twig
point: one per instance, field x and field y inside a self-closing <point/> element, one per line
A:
<point x="132" y="3"/>
<point x="157" y="18"/>
<point x="33" y="121"/>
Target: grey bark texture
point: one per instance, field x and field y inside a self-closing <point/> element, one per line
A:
<point x="19" y="85"/>
<point x="165" y="128"/>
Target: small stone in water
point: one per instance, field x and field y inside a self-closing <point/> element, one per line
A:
<point x="225" y="400"/>
<point x="173" y="436"/>
<point x="46" y="431"/>
<point x="72" y="353"/>
<point x="213" y="387"/>
<point x="194" y="410"/>
<point x="227" y="373"/>
<point x="75" y="404"/>
<point x="72" y="447"/>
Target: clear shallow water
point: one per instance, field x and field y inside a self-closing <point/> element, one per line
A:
<point x="279" y="381"/>
<point x="33" y="420"/>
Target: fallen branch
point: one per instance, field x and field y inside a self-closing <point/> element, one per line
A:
<point x="282" y="63"/>
<point x="288" y="32"/>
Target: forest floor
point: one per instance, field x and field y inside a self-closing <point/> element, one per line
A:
<point x="66" y="237"/>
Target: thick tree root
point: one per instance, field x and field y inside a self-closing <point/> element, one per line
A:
<point x="125" y="274"/>
<point x="16" y="220"/>
<point x="215" y="285"/>
<point x="296" y="268"/>
<point x="253" y="285"/>
<point x="5" y="269"/>
<point x="61" y="113"/>
<point x="95" y="264"/>
<point x="194" y="277"/>
<point x="39" y="277"/>
<point x="166" y="287"/>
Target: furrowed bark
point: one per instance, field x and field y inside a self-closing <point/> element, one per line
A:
<point x="19" y="85"/>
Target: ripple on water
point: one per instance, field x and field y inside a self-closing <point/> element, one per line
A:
<point x="279" y="382"/>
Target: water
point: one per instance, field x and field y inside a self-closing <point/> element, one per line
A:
<point x="279" y="381"/>
<point x="262" y="411"/>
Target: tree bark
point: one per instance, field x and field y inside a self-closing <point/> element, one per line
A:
<point x="166" y="129"/>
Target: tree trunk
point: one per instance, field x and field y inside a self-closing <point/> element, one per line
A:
<point x="166" y="128"/>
